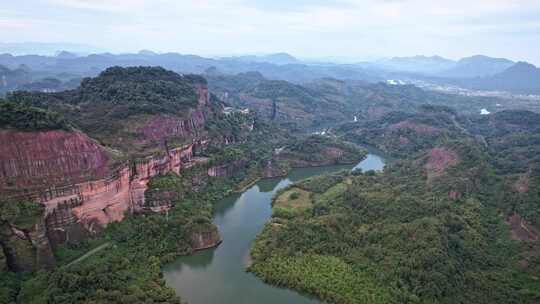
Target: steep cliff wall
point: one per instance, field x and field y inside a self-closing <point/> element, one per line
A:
<point x="205" y="237"/>
<point x="226" y="169"/>
<point x="35" y="161"/>
<point x="161" y="127"/>
<point x="71" y="176"/>
<point x="26" y="249"/>
<point x="96" y="203"/>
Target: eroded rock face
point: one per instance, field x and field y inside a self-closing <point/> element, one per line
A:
<point x="521" y="230"/>
<point x="439" y="159"/>
<point x="161" y="127"/>
<point x="26" y="249"/>
<point x="62" y="224"/>
<point x="71" y="176"/>
<point x="3" y="262"/>
<point x="76" y="211"/>
<point x="417" y="127"/>
<point x="35" y="161"/>
<point x="376" y="112"/>
<point x="205" y="238"/>
<point x="160" y="200"/>
<point x="522" y="184"/>
<point x="273" y="169"/>
<point x="226" y="169"/>
<point x="96" y="203"/>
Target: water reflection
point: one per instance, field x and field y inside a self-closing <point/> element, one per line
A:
<point x="269" y="184"/>
<point x="225" y="204"/>
<point x="218" y="275"/>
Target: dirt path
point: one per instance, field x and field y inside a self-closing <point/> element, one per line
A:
<point x="88" y="254"/>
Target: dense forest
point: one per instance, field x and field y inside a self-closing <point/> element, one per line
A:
<point x="118" y="102"/>
<point x="22" y="117"/>
<point x="400" y="236"/>
<point x="319" y="150"/>
<point x="126" y="264"/>
<point x="453" y="219"/>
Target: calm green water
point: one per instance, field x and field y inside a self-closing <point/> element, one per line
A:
<point x="218" y="275"/>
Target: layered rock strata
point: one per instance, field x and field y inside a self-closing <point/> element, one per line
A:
<point x="71" y="175"/>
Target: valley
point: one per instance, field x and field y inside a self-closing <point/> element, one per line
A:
<point x="295" y="152"/>
<point x="145" y="185"/>
<point x="223" y="269"/>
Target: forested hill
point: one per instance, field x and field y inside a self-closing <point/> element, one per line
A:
<point x="408" y="235"/>
<point x="328" y="101"/>
<point x="22" y="117"/>
<point x="144" y="89"/>
<point x="117" y="106"/>
<point x="453" y="220"/>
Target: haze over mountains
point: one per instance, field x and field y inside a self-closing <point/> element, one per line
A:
<point x="477" y="72"/>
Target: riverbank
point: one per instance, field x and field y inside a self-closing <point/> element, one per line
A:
<point x="218" y="275"/>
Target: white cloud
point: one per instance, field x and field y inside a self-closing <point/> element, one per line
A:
<point x="306" y="28"/>
<point x="103" y="5"/>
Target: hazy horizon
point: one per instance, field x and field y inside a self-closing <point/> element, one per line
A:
<point x="340" y="29"/>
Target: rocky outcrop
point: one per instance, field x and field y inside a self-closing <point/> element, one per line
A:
<point x="159" y="200"/>
<point x="26" y="249"/>
<point x="417" y="127"/>
<point x="35" y="161"/>
<point x="226" y="170"/>
<point x="3" y="261"/>
<point x="69" y="174"/>
<point x="161" y="127"/>
<point x="93" y="204"/>
<point x="204" y="238"/>
<point x="438" y="160"/>
<point x="522" y="184"/>
<point x="72" y="177"/>
<point x="521" y="230"/>
<point x="273" y="168"/>
<point x="62" y="224"/>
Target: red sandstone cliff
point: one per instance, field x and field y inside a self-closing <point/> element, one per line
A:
<point x="161" y="127"/>
<point x="70" y="174"/>
<point x="34" y="161"/>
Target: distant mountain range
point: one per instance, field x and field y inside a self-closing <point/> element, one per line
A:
<point x="46" y="48"/>
<point x="277" y="58"/>
<point x="469" y="67"/>
<point x="521" y="77"/>
<point x="477" y="66"/>
<point x="476" y="72"/>
<point x="416" y="64"/>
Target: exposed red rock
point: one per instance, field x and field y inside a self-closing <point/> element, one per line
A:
<point x="453" y="194"/>
<point x="377" y="112"/>
<point x="272" y="169"/>
<point x="439" y="159"/>
<point x="99" y="202"/>
<point x="160" y="127"/>
<point x="226" y="169"/>
<point x="69" y="173"/>
<point x="38" y="160"/>
<point x="522" y="184"/>
<point x="26" y="249"/>
<point x="417" y="127"/>
<point x="403" y="140"/>
<point x="207" y="238"/>
<point x="521" y="230"/>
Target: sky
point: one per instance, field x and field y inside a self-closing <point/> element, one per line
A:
<point x="346" y="29"/>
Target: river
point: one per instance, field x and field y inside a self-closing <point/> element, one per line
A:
<point x="218" y="275"/>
